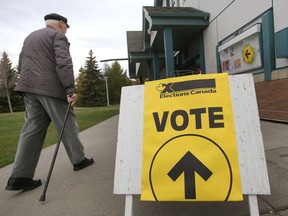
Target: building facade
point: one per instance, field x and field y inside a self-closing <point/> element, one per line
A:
<point x="185" y="37"/>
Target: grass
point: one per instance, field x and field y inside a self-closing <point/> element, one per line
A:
<point x="11" y="125"/>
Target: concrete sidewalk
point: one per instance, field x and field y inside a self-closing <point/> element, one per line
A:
<point x="89" y="192"/>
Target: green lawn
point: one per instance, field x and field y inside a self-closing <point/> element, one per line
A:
<point x="11" y="125"/>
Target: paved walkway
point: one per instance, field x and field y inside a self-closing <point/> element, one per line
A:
<point x="89" y="192"/>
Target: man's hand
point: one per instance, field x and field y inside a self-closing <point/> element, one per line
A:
<point x="72" y="98"/>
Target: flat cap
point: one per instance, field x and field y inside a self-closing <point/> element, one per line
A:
<point x="55" y="16"/>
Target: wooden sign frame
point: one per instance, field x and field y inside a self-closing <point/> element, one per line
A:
<point x="251" y="154"/>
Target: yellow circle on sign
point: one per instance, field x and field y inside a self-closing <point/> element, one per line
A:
<point x="248" y="54"/>
<point x="190" y="166"/>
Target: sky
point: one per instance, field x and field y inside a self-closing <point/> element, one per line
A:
<point x="97" y="25"/>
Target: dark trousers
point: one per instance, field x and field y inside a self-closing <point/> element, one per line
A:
<point x="40" y="111"/>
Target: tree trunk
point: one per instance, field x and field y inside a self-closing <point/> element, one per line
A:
<point x="8" y="99"/>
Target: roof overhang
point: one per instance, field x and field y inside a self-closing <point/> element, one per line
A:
<point x="186" y="23"/>
<point x="137" y="57"/>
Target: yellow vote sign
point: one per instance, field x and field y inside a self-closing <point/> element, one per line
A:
<point x="189" y="143"/>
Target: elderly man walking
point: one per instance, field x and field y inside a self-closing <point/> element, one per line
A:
<point x="47" y="85"/>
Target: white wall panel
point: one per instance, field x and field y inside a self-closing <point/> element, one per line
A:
<point x="210" y="42"/>
<point x="280" y="14"/>
<point x="240" y="13"/>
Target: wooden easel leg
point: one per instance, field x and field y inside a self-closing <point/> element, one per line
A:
<point x="253" y="205"/>
<point x="129" y="205"/>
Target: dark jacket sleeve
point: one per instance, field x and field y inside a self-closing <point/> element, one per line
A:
<point x="64" y="65"/>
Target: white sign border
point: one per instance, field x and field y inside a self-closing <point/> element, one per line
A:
<point x="252" y="160"/>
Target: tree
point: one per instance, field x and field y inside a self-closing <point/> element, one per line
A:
<point x="8" y="78"/>
<point x="90" y="84"/>
<point x="116" y="79"/>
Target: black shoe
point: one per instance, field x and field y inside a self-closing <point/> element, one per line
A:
<point x="83" y="164"/>
<point x="22" y="184"/>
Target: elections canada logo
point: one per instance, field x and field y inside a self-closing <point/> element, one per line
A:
<point x="185" y="88"/>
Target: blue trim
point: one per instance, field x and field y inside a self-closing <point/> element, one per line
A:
<point x="150" y="71"/>
<point x="156" y="65"/>
<point x="202" y="54"/>
<point x="281" y="68"/>
<point x="168" y="45"/>
<point x="218" y="61"/>
<point x="158" y="3"/>
<point x="268" y="44"/>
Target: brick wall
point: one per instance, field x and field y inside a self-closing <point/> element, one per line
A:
<point x="272" y="98"/>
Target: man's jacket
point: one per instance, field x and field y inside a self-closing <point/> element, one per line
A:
<point x="45" y="65"/>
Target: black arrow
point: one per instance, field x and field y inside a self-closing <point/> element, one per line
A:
<point x="247" y="54"/>
<point x="189" y="164"/>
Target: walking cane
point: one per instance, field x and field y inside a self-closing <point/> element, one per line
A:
<point x="43" y="196"/>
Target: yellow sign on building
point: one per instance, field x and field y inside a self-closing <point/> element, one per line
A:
<point x="248" y="54"/>
<point x="189" y="145"/>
